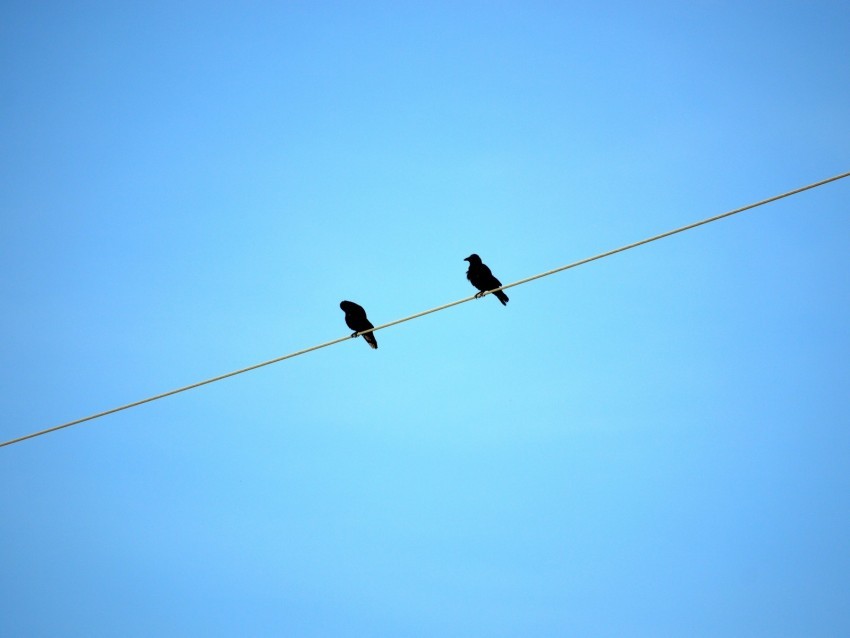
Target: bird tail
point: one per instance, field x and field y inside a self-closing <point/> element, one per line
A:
<point x="501" y="296"/>
<point x="371" y="340"/>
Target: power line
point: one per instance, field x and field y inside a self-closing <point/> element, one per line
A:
<point x="428" y="312"/>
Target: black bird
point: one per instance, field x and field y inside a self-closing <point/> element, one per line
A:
<point x="355" y="318"/>
<point x="481" y="277"/>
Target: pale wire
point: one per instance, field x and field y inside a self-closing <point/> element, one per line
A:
<point x="428" y="312"/>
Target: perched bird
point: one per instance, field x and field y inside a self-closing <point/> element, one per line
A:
<point x="481" y="277"/>
<point x="355" y="318"/>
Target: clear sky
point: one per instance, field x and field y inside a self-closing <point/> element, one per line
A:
<point x="654" y="444"/>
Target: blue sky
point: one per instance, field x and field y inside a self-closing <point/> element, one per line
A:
<point x="653" y="444"/>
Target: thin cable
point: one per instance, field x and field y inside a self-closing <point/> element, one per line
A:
<point x="428" y="312"/>
<point x="177" y="391"/>
<point x="673" y="232"/>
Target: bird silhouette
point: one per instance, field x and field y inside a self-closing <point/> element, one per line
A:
<point x="355" y="318"/>
<point x="479" y="275"/>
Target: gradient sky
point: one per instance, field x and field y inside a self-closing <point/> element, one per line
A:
<point x="654" y="444"/>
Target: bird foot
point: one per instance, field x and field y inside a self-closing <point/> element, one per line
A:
<point x="354" y="335"/>
<point x="478" y="295"/>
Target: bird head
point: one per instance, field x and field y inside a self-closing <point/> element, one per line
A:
<point x="473" y="259"/>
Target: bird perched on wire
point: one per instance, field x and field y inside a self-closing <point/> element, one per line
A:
<point x="355" y="318"/>
<point x="479" y="275"/>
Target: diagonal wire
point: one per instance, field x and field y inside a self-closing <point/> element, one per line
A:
<point x="428" y="312"/>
